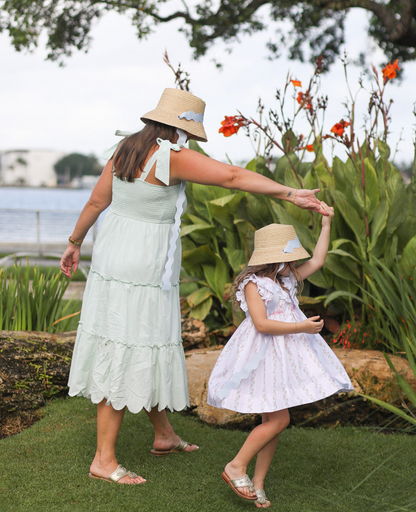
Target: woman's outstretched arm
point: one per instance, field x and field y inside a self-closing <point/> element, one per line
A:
<point x="189" y="165"/>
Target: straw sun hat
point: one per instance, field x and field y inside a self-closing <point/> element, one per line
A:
<point x="180" y="109"/>
<point x="276" y="243"/>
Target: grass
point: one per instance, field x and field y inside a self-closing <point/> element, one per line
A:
<point x="336" y="470"/>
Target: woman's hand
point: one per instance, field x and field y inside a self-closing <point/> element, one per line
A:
<point x="305" y="199"/>
<point x="326" y="221"/>
<point x="311" y="325"/>
<point x="70" y="258"/>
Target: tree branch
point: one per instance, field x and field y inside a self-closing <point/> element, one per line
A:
<point x="397" y="29"/>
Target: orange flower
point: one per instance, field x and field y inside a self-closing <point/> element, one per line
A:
<point x="232" y="124"/>
<point x="296" y="83"/>
<point x="339" y="128"/>
<point x="304" y="100"/>
<point x="309" y="148"/>
<point x="389" y="71"/>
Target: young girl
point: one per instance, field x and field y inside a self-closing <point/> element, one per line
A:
<point x="276" y="359"/>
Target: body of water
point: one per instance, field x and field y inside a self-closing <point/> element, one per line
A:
<point x="41" y="215"/>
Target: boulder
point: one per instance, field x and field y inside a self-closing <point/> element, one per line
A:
<point x="194" y="334"/>
<point x="34" y="367"/>
<point x="369" y="373"/>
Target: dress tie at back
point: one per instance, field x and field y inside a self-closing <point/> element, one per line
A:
<point x="162" y="173"/>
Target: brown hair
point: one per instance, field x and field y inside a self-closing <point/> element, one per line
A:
<point x="132" y="152"/>
<point x="265" y="270"/>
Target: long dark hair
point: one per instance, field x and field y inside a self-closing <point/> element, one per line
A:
<point x="132" y="152"/>
<point x="265" y="270"/>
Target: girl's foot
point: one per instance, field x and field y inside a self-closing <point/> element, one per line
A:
<point x="234" y="473"/>
<point x="104" y="470"/>
<point x="261" y="501"/>
<point x="171" y="443"/>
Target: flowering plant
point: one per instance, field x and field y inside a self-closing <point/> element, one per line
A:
<point x="375" y="216"/>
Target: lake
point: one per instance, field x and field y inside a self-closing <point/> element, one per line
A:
<point x="47" y="214"/>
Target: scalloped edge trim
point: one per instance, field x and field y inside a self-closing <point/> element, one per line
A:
<point x="245" y="371"/>
<point x="174" y="238"/>
<point x="150" y="285"/>
<point x="94" y="397"/>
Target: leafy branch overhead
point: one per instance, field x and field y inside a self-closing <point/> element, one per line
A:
<point x="67" y="23"/>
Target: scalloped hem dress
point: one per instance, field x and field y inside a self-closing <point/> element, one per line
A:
<point x="260" y="373"/>
<point x="128" y="348"/>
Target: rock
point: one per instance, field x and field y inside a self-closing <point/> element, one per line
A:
<point x="34" y="367"/>
<point x="199" y="364"/>
<point x="194" y="333"/>
<point x="369" y="373"/>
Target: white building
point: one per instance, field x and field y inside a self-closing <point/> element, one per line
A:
<point x="27" y="167"/>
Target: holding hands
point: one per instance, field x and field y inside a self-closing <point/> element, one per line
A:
<point x="328" y="215"/>
<point x="306" y="200"/>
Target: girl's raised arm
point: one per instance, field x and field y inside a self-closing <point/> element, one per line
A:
<point x="189" y="165"/>
<point x="319" y="254"/>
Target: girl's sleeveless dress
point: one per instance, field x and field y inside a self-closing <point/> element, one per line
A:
<point x="128" y="347"/>
<point x="258" y="373"/>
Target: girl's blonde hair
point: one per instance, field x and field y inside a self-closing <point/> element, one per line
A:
<point x="265" y="270"/>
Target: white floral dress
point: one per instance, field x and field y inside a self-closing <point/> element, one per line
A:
<point x="258" y="372"/>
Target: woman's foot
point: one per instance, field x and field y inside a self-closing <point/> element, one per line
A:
<point x="234" y="472"/>
<point x="100" y="469"/>
<point x="171" y="444"/>
<point x="261" y="501"/>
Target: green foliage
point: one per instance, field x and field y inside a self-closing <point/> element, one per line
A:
<point x="76" y="165"/>
<point x="34" y="303"/>
<point x="389" y="300"/>
<point x="373" y="221"/>
<point x="67" y="24"/>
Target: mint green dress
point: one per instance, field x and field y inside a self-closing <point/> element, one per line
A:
<point x="128" y="348"/>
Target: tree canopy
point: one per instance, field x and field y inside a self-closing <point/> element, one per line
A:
<point x="76" y="165"/>
<point x="67" y="23"/>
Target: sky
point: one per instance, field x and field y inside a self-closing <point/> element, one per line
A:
<point x="77" y="108"/>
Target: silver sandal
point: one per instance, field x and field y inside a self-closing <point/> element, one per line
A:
<point x="237" y="483"/>
<point x="261" y="498"/>
<point x="116" y="475"/>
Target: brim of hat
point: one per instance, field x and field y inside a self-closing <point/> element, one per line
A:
<point x="195" y="129"/>
<point x="265" y="256"/>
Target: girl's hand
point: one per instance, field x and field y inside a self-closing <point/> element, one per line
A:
<point x="306" y="200"/>
<point x="326" y="221"/>
<point x="70" y="258"/>
<point x="311" y="325"/>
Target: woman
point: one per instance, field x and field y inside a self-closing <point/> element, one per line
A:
<point x="128" y="351"/>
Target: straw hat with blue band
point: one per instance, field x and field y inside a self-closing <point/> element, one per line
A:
<point x="180" y="109"/>
<point x="276" y="243"/>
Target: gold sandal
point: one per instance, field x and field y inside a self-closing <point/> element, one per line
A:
<point x="261" y="498"/>
<point x="117" y="475"/>
<point x="180" y="447"/>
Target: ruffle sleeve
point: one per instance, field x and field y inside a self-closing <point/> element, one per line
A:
<point x="265" y="287"/>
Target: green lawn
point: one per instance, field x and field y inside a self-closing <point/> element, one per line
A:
<point x="45" y="468"/>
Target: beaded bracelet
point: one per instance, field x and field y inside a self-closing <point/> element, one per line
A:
<point x="74" y="242"/>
